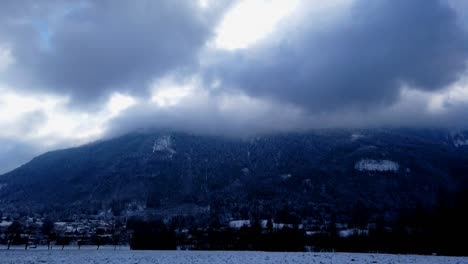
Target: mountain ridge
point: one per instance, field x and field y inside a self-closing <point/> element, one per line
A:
<point x="326" y="174"/>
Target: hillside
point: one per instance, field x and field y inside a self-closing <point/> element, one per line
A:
<point x="319" y="175"/>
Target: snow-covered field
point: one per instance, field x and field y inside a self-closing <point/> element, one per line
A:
<point x="89" y="255"/>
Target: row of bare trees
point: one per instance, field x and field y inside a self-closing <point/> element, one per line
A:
<point x="18" y="234"/>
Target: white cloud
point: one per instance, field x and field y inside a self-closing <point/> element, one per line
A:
<point x="455" y="95"/>
<point x="168" y="92"/>
<point x="204" y="3"/>
<point x="251" y="20"/>
<point x="46" y="122"/>
<point x="119" y="102"/>
<point x="6" y="58"/>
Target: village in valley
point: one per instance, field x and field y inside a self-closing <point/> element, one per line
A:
<point x="31" y="232"/>
<point x="122" y="232"/>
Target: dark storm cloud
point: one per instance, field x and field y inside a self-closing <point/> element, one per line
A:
<point x="260" y="117"/>
<point x="359" y="61"/>
<point x="342" y="71"/>
<point x="88" y="49"/>
<point x="210" y="115"/>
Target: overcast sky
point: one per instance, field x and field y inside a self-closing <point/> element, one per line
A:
<point x="72" y="72"/>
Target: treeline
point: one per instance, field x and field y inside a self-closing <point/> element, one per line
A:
<point x="151" y="235"/>
<point x="154" y="234"/>
<point x="421" y="230"/>
<point x="441" y="238"/>
<point x="440" y="230"/>
<point x="250" y="238"/>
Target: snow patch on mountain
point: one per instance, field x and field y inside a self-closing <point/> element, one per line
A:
<point x="164" y="144"/>
<point x="356" y="136"/>
<point x="376" y="165"/>
<point x="460" y="139"/>
<point x="460" y="142"/>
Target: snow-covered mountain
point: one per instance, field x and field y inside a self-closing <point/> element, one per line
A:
<point x="321" y="173"/>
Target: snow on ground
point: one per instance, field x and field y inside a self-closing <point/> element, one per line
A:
<point x="108" y="256"/>
<point x="376" y="165"/>
<point x="4" y="223"/>
<point x="353" y="231"/>
<point x="237" y="224"/>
